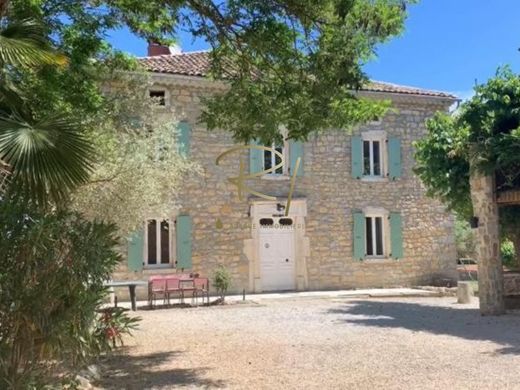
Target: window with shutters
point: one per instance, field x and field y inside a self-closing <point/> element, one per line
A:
<point x="159" y="243"/>
<point x="374" y="155"/>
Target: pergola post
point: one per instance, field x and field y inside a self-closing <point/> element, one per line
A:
<point x="490" y="272"/>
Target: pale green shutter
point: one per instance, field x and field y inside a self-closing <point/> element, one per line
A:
<point x="183" y="138"/>
<point x="396" y="236"/>
<point x="295" y="152"/>
<point x="256" y="157"/>
<point x="136" y="251"/>
<point x="359" y="235"/>
<point x="183" y="228"/>
<point x="357" y="156"/>
<point x="394" y="158"/>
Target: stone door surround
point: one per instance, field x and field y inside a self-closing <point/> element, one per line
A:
<point x="268" y="209"/>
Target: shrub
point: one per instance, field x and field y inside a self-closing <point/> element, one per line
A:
<point x="53" y="267"/>
<point x="507" y="252"/>
<point x="222" y="281"/>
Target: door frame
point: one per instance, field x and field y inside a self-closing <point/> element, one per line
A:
<point x="267" y="209"/>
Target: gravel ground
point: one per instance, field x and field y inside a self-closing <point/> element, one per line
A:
<point x="393" y="343"/>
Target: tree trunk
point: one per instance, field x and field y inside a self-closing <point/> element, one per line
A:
<point x="490" y="272"/>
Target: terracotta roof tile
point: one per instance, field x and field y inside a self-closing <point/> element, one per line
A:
<point x="198" y="64"/>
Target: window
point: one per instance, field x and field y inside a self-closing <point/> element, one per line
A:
<point x="373" y="154"/>
<point x="158" y="243"/>
<point x="376" y="157"/>
<point x="285" y="222"/>
<point x="272" y="159"/>
<point x="266" y="222"/>
<point x="377" y="234"/>
<point x="374" y="236"/>
<point x="159" y="96"/>
<point x="372" y="158"/>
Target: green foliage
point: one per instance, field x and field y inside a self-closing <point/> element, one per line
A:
<point x="222" y="281"/>
<point x="492" y="117"/>
<point x="49" y="157"/>
<point x="305" y="56"/>
<point x="441" y="166"/>
<point x="111" y="325"/>
<point x="52" y="271"/>
<point x="23" y="43"/>
<point x="133" y="139"/>
<point x="507" y="253"/>
<point x="464" y="239"/>
<point x="45" y="156"/>
<point x="483" y="132"/>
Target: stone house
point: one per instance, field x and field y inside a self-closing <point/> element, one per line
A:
<point x="358" y="216"/>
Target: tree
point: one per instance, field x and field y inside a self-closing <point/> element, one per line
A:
<point x="304" y="55"/>
<point x="482" y="139"/>
<point x="139" y="168"/>
<point x="40" y="156"/>
<point x="54" y="265"/>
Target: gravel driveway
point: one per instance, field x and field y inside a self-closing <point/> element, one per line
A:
<point x="393" y="343"/>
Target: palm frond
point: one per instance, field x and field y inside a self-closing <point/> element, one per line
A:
<point x="48" y="158"/>
<point x="24" y="43"/>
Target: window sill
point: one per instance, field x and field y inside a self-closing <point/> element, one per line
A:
<point x="379" y="260"/>
<point x="374" y="179"/>
<point x="158" y="269"/>
<point x="276" y="177"/>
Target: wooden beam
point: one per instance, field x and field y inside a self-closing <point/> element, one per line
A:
<point x="509" y="197"/>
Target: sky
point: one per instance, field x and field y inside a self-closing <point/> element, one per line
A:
<point x="447" y="45"/>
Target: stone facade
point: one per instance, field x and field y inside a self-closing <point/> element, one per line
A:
<point x="225" y="229"/>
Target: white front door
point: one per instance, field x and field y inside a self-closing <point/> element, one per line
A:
<point x="277" y="259"/>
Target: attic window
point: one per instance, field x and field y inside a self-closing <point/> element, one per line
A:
<point x="159" y="97"/>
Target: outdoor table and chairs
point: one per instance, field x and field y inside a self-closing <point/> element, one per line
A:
<point x="166" y="287"/>
<point x="179" y="286"/>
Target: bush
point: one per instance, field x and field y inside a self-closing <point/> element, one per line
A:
<point x="222" y="281"/>
<point x="464" y="239"/>
<point x="53" y="267"/>
<point x="507" y="252"/>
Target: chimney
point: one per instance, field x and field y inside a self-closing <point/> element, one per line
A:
<point x="156" y="49"/>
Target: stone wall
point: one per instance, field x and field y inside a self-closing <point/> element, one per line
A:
<point x="331" y="195"/>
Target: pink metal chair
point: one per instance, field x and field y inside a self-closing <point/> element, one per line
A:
<point x="156" y="287"/>
<point x="187" y="286"/>
<point x="201" y="288"/>
<point x="173" y="287"/>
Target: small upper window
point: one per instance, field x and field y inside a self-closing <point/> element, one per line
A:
<point x="158" y="96"/>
